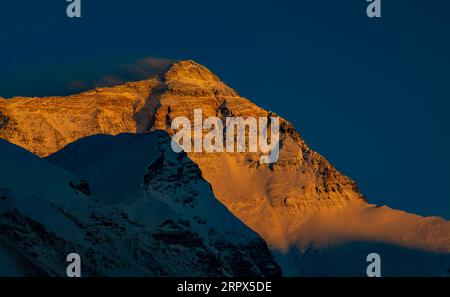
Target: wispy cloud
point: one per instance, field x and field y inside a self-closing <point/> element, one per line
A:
<point x="148" y="66"/>
<point x="138" y="69"/>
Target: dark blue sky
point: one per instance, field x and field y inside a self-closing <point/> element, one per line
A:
<point x="371" y="95"/>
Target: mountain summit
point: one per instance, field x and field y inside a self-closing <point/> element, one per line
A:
<point x="314" y="218"/>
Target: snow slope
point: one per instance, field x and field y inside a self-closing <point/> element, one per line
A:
<point x="47" y="213"/>
<point x="336" y="242"/>
<point x="131" y="170"/>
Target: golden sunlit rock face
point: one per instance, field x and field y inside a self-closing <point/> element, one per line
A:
<point x="298" y="201"/>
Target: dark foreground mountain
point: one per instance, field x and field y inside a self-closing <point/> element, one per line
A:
<point x="160" y="228"/>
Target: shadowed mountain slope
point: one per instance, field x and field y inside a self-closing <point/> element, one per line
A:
<point x="47" y="213"/>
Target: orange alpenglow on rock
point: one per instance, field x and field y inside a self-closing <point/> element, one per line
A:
<point x="306" y="210"/>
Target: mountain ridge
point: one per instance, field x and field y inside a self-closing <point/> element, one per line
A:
<point x="51" y="217"/>
<point x="282" y="202"/>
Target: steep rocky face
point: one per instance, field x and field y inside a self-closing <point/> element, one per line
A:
<point x="300" y="182"/>
<point x="272" y="199"/>
<point x="45" y="125"/>
<point x="299" y="202"/>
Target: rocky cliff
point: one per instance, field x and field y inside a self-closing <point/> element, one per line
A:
<point x="300" y="203"/>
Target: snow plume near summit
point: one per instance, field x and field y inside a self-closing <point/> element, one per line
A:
<point x="70" y="76"/>
<point x="134" y="70"/>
